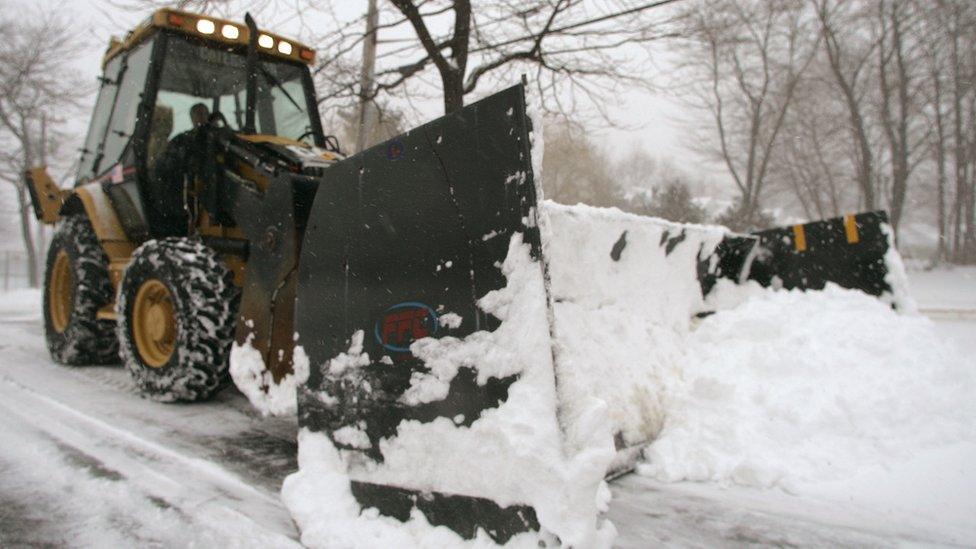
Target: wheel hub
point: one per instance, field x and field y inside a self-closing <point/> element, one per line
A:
<point x="154" y="323"/>
<point x="61" y="292"/>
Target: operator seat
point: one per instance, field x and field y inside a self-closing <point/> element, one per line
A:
<point x="159" y="130"/>
<point x="169" y="165"/>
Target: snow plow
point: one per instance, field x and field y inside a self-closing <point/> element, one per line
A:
<point x="482" y="360"/>
<point x="463" y="353"/>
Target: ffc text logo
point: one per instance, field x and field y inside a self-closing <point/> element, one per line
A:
<point x="404" y="323"/>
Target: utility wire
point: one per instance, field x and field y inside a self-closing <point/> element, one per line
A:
<point x="571" y="26"/>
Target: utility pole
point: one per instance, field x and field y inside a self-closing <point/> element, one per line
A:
<point x="367" y="113"/>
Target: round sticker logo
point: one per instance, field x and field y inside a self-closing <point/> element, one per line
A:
<point x="395" y="149"/>
<point x="404" y="323"/>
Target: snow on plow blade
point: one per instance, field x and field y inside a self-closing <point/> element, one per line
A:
<point x="467" y="368"/>
<point x="853" y="251"/>
<point x="403" y="240"/>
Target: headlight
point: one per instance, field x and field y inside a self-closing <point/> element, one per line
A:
<point x="205" y="26"/>
<point x="284" y="47"/>
<point x="230" y="32"/>
<point x="265" y="41"/>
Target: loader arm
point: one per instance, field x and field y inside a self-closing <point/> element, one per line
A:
<point x="268" y="199"/>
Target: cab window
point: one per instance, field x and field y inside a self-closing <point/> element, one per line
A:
<point x="99" y="120"/>
<point x="123" y="122"/>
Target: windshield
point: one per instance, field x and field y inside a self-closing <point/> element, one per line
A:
<point x="197" y="73"/>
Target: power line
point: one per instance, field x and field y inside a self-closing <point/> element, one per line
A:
<point x="571" y="26"/>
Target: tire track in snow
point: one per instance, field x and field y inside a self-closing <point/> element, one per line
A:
<point x="199" y="488"/>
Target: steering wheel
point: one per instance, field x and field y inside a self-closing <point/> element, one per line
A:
<point x="309" y="133"/>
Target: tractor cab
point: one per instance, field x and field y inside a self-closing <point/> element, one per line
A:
<point x="170" y="77"/>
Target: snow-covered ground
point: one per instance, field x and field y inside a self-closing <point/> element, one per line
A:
<point x="84" y="461"/>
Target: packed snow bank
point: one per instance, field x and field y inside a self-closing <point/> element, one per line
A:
<point x="797" y="390"/>
<point x="623" y="288"/>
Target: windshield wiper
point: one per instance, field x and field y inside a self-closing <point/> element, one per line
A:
<point x="274" y="81"/>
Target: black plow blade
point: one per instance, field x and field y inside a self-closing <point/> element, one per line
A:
<point x="852" y="251"/>
<point x="402" y="240"/>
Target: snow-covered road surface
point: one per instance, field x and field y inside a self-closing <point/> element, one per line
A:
<point x="85" y="461"/>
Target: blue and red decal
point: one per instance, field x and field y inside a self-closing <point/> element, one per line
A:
<point x="404" y="323"/>
<point x="395" y="149"/>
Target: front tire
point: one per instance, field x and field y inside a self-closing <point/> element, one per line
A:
<point x="176" y="314"/>
<point x="76" y="286"/>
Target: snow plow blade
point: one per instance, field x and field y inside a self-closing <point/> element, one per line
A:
<point x="402" y="241"/>
<point x="853" y="251"/>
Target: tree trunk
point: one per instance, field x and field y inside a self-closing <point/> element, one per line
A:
<point x="959" y="140"/>
<point x="453" y="83"/>
<point x="25" y="229"/>
<point x="895" y="123"/>
<point x="23" y="201"/>
<point x="969" y="237"/>
<point x="864" y="159"/>
<point x="942" y="249"/>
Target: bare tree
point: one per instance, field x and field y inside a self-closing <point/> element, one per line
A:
<point x="900" y="96"/>
<point x="933" y="32"/>
<point x="744" y="62"/>
<point x="849" y="54"/>
<point x="38" y="91"/>
<point x="562" y="39"/>
<point x="812" y="168"/>
<point x="949" y="32"/>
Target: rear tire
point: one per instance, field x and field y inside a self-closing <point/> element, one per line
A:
<point x="76" y="286"/>
<point x="176" y="310"/>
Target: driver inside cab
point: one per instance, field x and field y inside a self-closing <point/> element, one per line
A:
<point x="170" y="164"/>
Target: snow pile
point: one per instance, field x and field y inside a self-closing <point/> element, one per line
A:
<point x="512" y="454"/>
<point x="794" y="389"/>
<point x="250" y="375"/>
<point x="624" y="288"/>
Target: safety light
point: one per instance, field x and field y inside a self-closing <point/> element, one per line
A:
<point x="284" y="47"/>
<point x="175" y="19"/>
<point x="307" y="54"/>
<point x="230" y="32"/>
<point x="205" y="26"/>
<point x="265" y="41"/>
